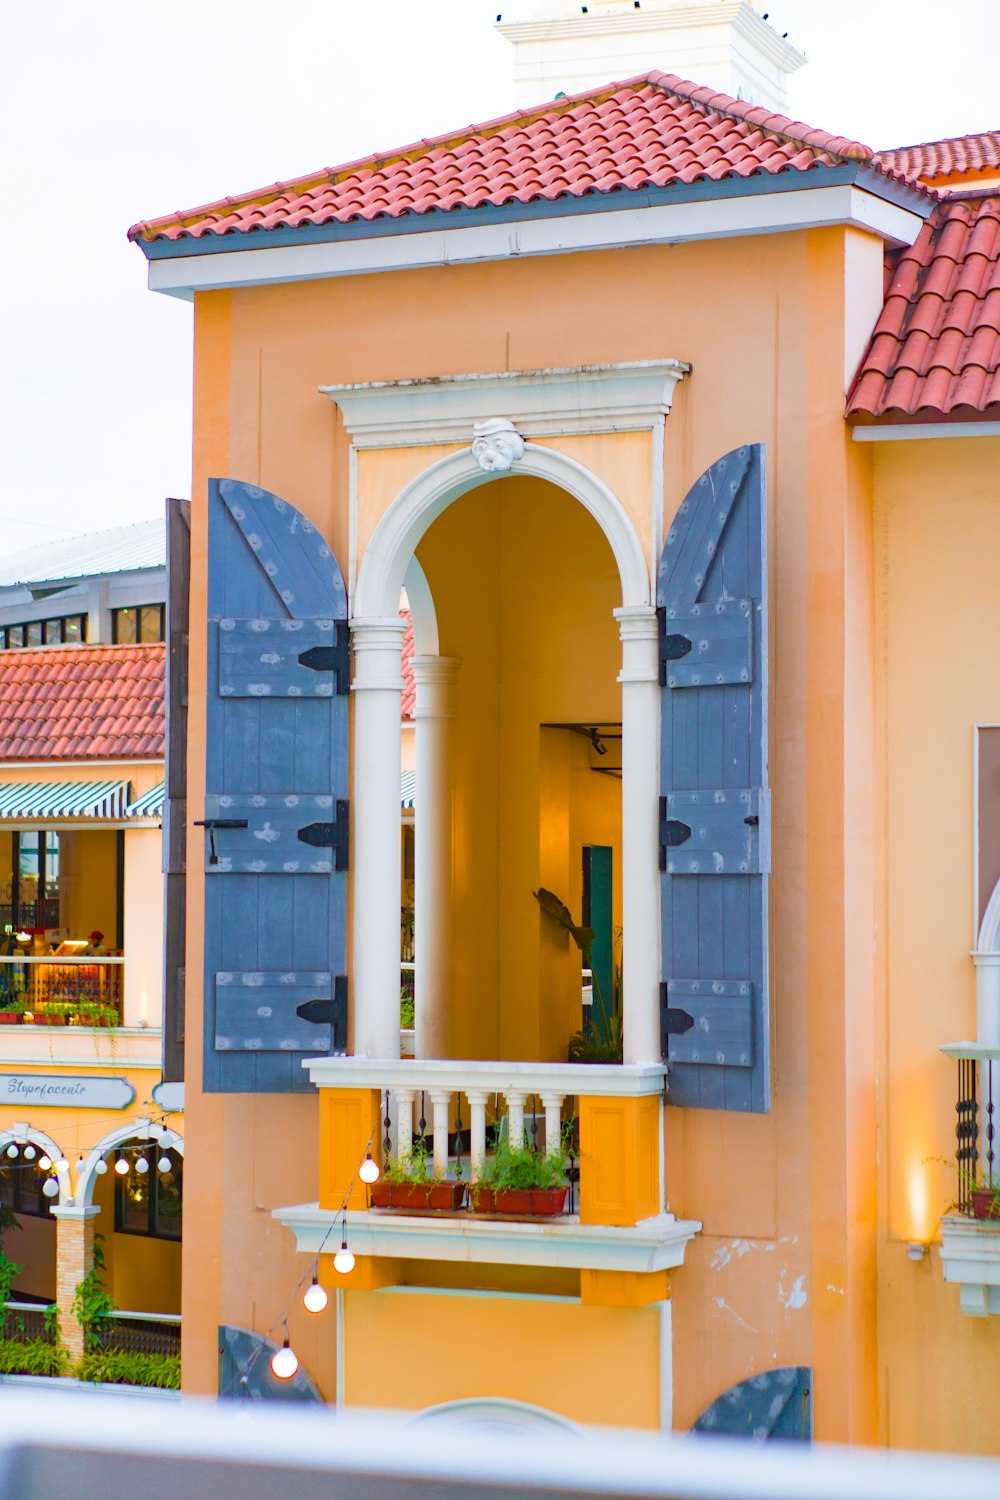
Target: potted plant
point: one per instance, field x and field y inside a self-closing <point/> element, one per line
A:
<point x="985" y="1198"/>
<point x="52" y="1013"/>
<point x="518" y="1181"/>
<point x="605" y="1046"/>
<point x="95" y="1013"/>
<point x="409" y="1182"/>
<point x="11" y="1010"/>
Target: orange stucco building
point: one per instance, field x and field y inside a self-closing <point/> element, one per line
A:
<point x="575" y="382"/>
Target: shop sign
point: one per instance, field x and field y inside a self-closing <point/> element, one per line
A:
<point x="65" y="1091"/>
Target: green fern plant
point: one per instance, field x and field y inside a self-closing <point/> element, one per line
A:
<point x="92" y="1301"/>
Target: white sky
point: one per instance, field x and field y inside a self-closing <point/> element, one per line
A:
<point x="121" y="110"/>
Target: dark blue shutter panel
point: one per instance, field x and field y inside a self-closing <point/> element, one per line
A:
<point x="245" y="1372"/>
<point x="276" y="815"/>
<point x="714" y="808"/>
<point x="777" y="1404"/>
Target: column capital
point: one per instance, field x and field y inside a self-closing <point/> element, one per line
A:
<point x="75" y="1211"/>
<point x="378" y="652"/>
<point x="434" y="678"/>
<point x="639" y="629"/>
<point x="637" y="622"/>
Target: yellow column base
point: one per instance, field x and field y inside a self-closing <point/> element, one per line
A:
<point x="624" y="1288"/>
<point x="619" y="1160"/>
<point x="348" y="1119"/>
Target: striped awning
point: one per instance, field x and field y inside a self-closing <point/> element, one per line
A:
<point x="149" y="805"/>
<point x="21" y="801"/>
<point x="409" y="789"/>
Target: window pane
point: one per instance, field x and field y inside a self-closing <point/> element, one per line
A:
<point x="125" y="626"/>
<point x="51" y="858"/>
<point x="28" y="864"/>
<point x="3" y="639"/>
<point x="15" y="635"/>
<point x="7" y="1189"/>
<point x="150" y="628"/>
<point x="53" y="632"/>
<point x="134" y="1201"/>
<point x="73" y="628"/>
<point x="29" y="1194"/>
<point x="33" y="633"/>
<point x="169" y="1196"/>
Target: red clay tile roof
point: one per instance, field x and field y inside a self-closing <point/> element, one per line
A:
<point x="409" y="690"/>
<point x="935" y="352"/>
<point x="655" y="130"/>
<point x="959" y="154"/>
<point x="82" y="703"/>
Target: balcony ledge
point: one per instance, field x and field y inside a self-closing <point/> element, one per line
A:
<point x="81" y="1047"/>
<point x="604" y="1080"/>
<point x="970" y="1255"/>
<point x="656" y="1244"/>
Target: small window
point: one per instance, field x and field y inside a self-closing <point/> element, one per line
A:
<point x="139" y="625"/>
<point x="21" y="1188"/>
<point x="150" y="1202"/>
<point x="53" y="632"/>
<point x="151" y="622"/>
<point x="15" y="635"/>
<point x="74" y="628"/>
<point x="124" y="626"/>
<point x="33" y="633"/>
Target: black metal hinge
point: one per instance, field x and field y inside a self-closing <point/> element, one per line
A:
<point x="335" y="658"/>
<point x="335" y="836"/>
<point x="673" y="833"/>
<point x="212" y="824"/>
<point x="671" y="647"/>
<point x="332" y="1013"/>
<point x="673" y="1020"/>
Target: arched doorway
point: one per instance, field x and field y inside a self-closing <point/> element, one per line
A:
<point x="559" y="503"/>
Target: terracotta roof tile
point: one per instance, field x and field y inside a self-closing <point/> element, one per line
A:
<point x="961" y="154"/>
<point x="82" y="703"/>
<point x="409" y="690"/>
<point x="651" y="131"/>
<point x="935" y="352"/>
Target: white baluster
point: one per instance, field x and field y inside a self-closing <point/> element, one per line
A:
<point x="515" y="1118"/>
<point x="404" y="1122"/>
<point x="440" y="1102"/>
<point x="477" y="1129"/>
<point x="552" y="1104"/>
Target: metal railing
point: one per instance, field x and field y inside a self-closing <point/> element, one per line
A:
<point x="60" y="991"/>
<point x="976" y="1106"/>
<point x="42" y="912"/>
<point x="24" y="1322"/>
<point x="141" y="1333"/>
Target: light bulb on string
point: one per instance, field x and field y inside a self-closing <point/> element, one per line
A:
<point x="315" y="1299"/>
<point x="62" y="1165"/>
<point x="344" y="1261"/>
<point x="44" y="1162"/>
<point x="50" y="1187"/>
<point x="100" y="1166"/>
<point x="368" y="1171"/>
<point x="29" y="1152"/>
<point x="164" y="1164"/>
<point x="12" y="1151"/>
<point x="284" y="1361"/>
<point x="141" y="1164"/>
<point x="80" y="1163"/>
<point x="121" y="1165"/>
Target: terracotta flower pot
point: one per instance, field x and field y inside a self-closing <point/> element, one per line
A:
<point x="481" y="1200"/>
<point x="523" y="1203"/>
<point x="9" y="1017"/>
<point x="418" y="1196"/>
<point x="985" y="1204"/>
<point x="379" y="1192"/>
<point x="49" y="1018"/>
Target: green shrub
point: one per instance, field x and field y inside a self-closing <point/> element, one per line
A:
<point x="118" y="1367"/>
<point x="91" y="1300"/>
<point x="518" y="1168"/>
<point x="34" y="1357"/>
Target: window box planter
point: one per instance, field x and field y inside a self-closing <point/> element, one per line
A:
<point x="49" y="1018"/>
<point x="985" y="1203"/>
<point x="10" y="1017"/>
<point x="534" y="1203"/>
<point x="418" y="1197"/>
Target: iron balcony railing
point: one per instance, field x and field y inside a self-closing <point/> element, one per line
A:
<point x="141" y="1333"/>
<point x="62" y="991"/>
<point x="976" y="1106"/>
<point x="23" y="1322"/>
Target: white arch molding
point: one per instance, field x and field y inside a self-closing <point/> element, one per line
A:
<point x="986" y="957"/>
<point x="20" y="1135"/>
<point x="130" y="1131"/>
<point x="377" y="639"/>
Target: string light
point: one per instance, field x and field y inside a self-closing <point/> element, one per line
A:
<point x="121" y="1165"/>
<point x="50" y="1187"/>
<point x="344" y="1261"/>
<point x="141" y="1165"/>
<point x="164" y="1164"/>
<point x="80" y="1164"/>
<point x="12" y="1151"/>
<point x="29" y="1152"/>
<point x="100" y="1166"/>
<point x="62" y="1165"/>
<point x="284" y="1361"/>
<point x="315" y="1299"/>
<point x="368" y="1171"/>
<point x="44" y="1162"/>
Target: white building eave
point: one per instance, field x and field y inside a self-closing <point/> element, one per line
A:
<point x="425" y="245"/>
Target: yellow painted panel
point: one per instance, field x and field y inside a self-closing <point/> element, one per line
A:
<point x="411" y="1350"/>
<point x="349" y="1119"/>
<point x="619" y="1160"/>
<point x="624" y="1288"/>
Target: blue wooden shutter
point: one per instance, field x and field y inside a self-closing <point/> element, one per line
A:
<point x="276" y="842"/>
<point x="777" y="1404"/>
<point x="714" y="808"/>
<point x="245" y="1372"/>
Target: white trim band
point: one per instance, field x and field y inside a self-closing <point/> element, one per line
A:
<point x="911" y="432"/>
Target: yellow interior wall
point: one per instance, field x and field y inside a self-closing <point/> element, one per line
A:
<point x="87" y="857"/>
<point x="938" y="617"/>
<point x="524" y="585"/>
<point x="33" y="1248"/>
<point x="590" y="1364"/>
<point x="143" y="1273"/>
<point x="143" y="926"/>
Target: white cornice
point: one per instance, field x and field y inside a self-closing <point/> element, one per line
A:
<point x="912" y="432"/>
<point x="652" y="1245"/>
<point x="424" y="243"/>
<point x="603" y="1080"/>
<point x="625" y="397"/>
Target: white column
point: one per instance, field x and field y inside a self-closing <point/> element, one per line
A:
<point x="552" y="1104"/>
<point x="440" y="1102"/>
<point x="477" y="1129"/>
<point x="404" y="1122"/>
<point x="434" y="711"/>
<point x="378" y="686"/>
<point x="639" y="678"/>
<point x="515" y="1119"/>
<point x="987" y="998"/>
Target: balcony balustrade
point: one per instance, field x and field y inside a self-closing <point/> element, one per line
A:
<point x="84" y="991"/>
<point x="970" y="1236"/>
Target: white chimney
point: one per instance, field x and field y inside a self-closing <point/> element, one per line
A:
<point x="566" y="46"/>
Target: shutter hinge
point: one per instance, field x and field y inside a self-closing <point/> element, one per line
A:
<point x="335" y="658"/>
<point x="673" y="1020"/>
<point x="335" y="836"/>
<point x="671" y="647"/>
<point x="673" y="833"/>
<point x="332" y="1013"/>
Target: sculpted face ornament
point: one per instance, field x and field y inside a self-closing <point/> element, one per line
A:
<point x="497" y="445"/>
